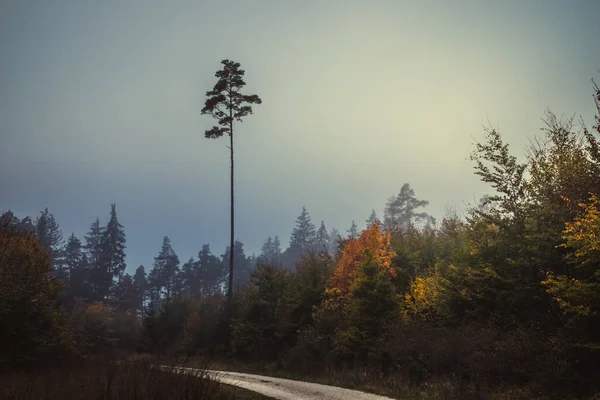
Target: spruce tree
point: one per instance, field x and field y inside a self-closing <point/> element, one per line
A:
<point x="211" y="271"/>
<point x="227" y="104"/>
<point x="81" y="283"/>
<point x="353" y="231"/>
<point x="276" y="251"/>
<point x="334" y="242"/>
<point x="167" y="265"/>
<point x="95" y="276"/>
<point x="303" y="235"/>
<point x="372" y="219"/>
<point x="124" y="297"/>
<point x="73" y="255"/>
<point x="322" y="239"/>
<point x="50" y="236"/>
<point x="93" y="243"/>
<point x="140" y="283"/>
<point x="113" y="246"/>
<point x="271" y="252"/>
<point x="266" y="250"/>
<point x="241" y="264"/>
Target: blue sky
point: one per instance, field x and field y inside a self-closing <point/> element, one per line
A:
<point x="100" y="102"/>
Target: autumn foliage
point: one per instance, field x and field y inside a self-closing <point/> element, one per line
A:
<point x="373" y="245"/>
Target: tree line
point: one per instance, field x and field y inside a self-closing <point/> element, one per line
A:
<point x="94" y="269"/>
<point x="505" y="299"/>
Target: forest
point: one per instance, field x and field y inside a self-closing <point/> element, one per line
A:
<point x="502" y="302"/>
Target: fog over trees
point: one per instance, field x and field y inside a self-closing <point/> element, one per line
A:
<point x="511" y="290"/>
<point x="316" y="250"/>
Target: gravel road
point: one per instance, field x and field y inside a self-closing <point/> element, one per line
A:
<point x="278" y="388"/>
<point x="287" y="389"/>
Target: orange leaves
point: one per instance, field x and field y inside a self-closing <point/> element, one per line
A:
<point x="371" y="245"/>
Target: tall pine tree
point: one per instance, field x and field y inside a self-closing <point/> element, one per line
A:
<point x="226" y="103"/>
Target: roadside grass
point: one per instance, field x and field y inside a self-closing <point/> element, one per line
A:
<point x="104" y="380"/>
<point x="243" y="394"/>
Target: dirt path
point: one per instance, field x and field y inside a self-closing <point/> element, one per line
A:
<point x="287" y="389"/>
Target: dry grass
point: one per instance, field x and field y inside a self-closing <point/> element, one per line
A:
<point x="129" y="380"/>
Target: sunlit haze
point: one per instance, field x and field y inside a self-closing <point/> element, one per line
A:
<point x="100" y="102"/>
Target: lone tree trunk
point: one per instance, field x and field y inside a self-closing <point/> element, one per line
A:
<point x="230" y="287"/>
<point x="226" y="103"/>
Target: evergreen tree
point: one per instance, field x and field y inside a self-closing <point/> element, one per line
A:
<point x="8" y="221"/>
<point x="24" y="225"/>
<point x="303" y="235"/>
<point x="95" y="276"/>
<point x="93" y="243"/>
<point x="167" y="265"/>
<point x="254" y="331"/>
<point x="266" y="250"/>
<point x="277" y="249"/>
<point x="334" y="242"/>
<point x="191" y="285"/>
<point x="400" y="212"/>
<point x="211" y="271"/>
<point x="140" y="283"/>
<point x="113" y="246"/>
<point x="271" y="252"/>
<point x="353" y="231"/>
<point x="155" y="286"/>
<point x="372" y="219"/>
<point x="81" y="283"/>
<point x="227" y="104"/>
<point x="241" y="264"/>
<point x="124" y="297"/>
<point x="372" y="304"/>
<point x="72" y="255"/>
<point x="322" y="239"/>
<point x="51" y="238"/>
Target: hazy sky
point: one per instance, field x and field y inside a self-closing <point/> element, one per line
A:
<point x="100" y="102"/>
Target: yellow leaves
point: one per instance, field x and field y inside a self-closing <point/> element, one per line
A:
<point x="574" y="297"/>
<point x="372" y="244"/>
<point x="578" y="296"/>
<point x="583" y="234"/>
<point x="422" y="298"/>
